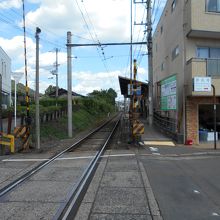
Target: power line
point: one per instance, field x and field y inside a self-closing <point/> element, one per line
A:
<point x="92" y="37"/>
<point x="29" y="32"/>
<point x="140" y="32"/>
<point x="46" y="29"/>
<point x="96" y="36"/>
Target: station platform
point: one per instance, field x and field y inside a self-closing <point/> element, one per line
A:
<point x="152" y="133"/>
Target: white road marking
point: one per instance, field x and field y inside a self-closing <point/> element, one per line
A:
<point x="155" y="153"/>
<point x="160" y="143"/>
<point x="119" y="155"/>
<point x="65" y="158"/>
<point x="196" y="191"/>
<point x="23" y="160"/>
<point x="215" y="214"/>
<point x="154" y="149"/>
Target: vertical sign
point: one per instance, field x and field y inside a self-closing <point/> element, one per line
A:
<point x="168" y="93"/>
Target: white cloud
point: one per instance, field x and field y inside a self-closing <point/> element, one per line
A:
<point x="47" y="59"/>
<point x="7" y="4"/>
<point x="110" y="19"/>
<point x="89" y="81"/>
<point x="15" y="47"/>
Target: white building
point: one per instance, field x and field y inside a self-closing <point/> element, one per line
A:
<point x="5" y="78"/>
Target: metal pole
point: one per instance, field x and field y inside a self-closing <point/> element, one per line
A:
<point x="69" y="84"/>
<point x="37" y="115"/>
<point x="214" y="111"/>
<point x="56" y="75"/>
<point x="15" y="103"/>
<point x="150" y="61"/>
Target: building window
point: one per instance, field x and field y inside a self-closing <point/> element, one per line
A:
<point x="161" y="29"/>
<point x="213" y="5"/>
<point x="173" y="5"/>
<point x="208" y="52"/>
<point x="203" y="52"/>
<point x="162" y="66"/>
<point x="175" y="52"/>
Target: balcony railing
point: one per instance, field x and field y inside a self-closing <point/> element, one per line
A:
<point x="213" y="67"/>
<point x="205" y="67"/>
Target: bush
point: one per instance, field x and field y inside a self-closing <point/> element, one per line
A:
<point x="96" y="105"/>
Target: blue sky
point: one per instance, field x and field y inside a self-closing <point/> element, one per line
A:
<point x="90" y="21"/>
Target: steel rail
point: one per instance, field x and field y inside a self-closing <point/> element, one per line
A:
<point x="68" y="210"/>
<point x="33" y="171"/>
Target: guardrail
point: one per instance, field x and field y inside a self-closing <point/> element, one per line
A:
<point x="8" y="140"/>
<point x="169" y="125"/>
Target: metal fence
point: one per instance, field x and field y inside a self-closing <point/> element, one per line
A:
<point x="169" y="125"/>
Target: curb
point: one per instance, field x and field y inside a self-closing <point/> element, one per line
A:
<point x="154" y="208"/>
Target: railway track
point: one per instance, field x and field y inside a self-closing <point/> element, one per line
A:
<point x="72" y="170"/>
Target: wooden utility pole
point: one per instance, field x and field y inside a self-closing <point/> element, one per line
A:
<point x="150" y="61"/>
<point x="37" y="113"/>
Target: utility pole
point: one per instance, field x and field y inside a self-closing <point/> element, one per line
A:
<point x="150" y="55"/>
<point x="56" y="73"/>
<point x="37" y="114"/>
<point x="69" y="83"/>
<point x="150" y="61"/>
<point x="56" y="65"/>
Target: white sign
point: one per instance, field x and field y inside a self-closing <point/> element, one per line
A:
<point x="136" y="91"/>
<point x="202" y="84"/>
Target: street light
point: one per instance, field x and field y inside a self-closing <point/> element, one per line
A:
<point x="17" y="77"/>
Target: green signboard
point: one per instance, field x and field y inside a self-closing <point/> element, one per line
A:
<point x="168" y="93"/>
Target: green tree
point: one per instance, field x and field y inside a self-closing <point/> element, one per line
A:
<point x="107" y="95"/>
<point x="50" y="89"/>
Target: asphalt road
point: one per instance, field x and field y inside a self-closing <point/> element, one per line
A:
<point x="186" y="184"/>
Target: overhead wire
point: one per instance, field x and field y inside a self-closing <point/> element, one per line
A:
<point x="140" y="32"/>
<point x="96" y="36"/>
<point x="8" y="20"/>
<point x="29" y="32"/>
<point x="93" y="37"/>
<point x="48" y="30"/>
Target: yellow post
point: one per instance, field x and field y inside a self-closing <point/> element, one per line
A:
<point x="11" y="144"/>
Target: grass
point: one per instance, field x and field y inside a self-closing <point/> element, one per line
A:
<point x="82" y="120"/>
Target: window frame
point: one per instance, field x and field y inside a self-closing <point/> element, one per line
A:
<point x="213" y="11"/>
<point x="175" y="52"/>
<point x="209" y="52"/>
<point x="173" y="5"/>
